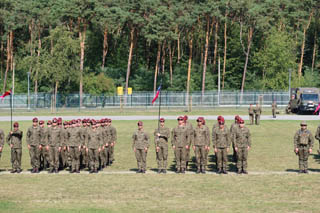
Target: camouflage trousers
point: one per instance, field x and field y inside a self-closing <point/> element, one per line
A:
<point x="141" y="156"/>
<point x="43" y="157"/>
<point x="54" y="157"/>
<point x="242" y="156"/>
<point x="162" y="156"/>
<point x="303" y="153"/>
<point x="257" y="119"/>
<point x="64" y="157"/>
<point x="16" y="154"/>
<point x="84" y="158"/>
<point x="103" y="156"/>
<point x="93" y="158"/>
<point x="74" y="153"/>
<point x="222" y="158"/>
<point x="181" y="153"/>
<point x="34" y="153"/>
<point x="201" y="155"/>
<point x="251" y="118"/>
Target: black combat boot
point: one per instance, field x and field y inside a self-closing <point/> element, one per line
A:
<point x="18" y="170"/>
<point x="183" y="170"/>
<point x="203" y="170"/>
<point x="13" y="171"/>
<point x="159" y="171"/>
<point x="164" y="171"/>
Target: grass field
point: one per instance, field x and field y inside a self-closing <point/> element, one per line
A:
<point x="260" y="191"/>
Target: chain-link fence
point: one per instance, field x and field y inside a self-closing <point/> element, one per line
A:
<point x="144" y="99"/>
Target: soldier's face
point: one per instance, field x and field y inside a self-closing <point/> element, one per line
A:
<point x="35" y="123"/>
<point x="221" y="126"/>
<point x="140" y="127"/>
<point x="54" y="124"/>
<point x="41" y="125"/>
<point x="303" y="127"/>
<point x="241" y="125"/>
<point x="162" y="123"/>
<point x="49" y="125"/>
<point x="199" y="123"/>
<point x="15" y="128"/>
<point x="180" y="122"/>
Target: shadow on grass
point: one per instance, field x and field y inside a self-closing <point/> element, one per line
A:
<point x="292" y="170"/>
<point x="316" y="157"/>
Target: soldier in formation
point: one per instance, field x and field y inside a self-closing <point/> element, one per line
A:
<point x="33" y="141"/>
<point x="54" y="146"/>
<point x="161" y="138"/>
<point x="140" y="147"/>
<point x="14" y="140"/>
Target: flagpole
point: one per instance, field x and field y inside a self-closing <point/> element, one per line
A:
<point x="159" y="114"/>
<point x="11" y="108"/>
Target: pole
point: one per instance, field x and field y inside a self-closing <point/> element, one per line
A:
<point x="219" y="80"/>
<point x="161" y="77"/>
<point x="290" y="70"/>
<point x="28" y="101"/>
<point x="11" y="96"/>
<point x="12" y="91"/>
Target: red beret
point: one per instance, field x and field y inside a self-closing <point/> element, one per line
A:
<point x="49" y="122"/>
<point x="54" y="120"/>
<point x="41" y="122"/>
<point x="180" y="118"/>
<point x="16" y="124"/>
<point x="140" y="123"/>
<point x="162" y="120"/>
<point x="185" y="117"/>
<point x="219" y="117"/>
<point x="35" y="120"/>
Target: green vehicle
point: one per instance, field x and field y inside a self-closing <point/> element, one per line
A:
<point x="303" y="100"/>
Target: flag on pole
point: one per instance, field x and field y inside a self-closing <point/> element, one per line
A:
<point x="317" y="109"/>
<point x="5" y="94"/>
<point x="157" y="95"/>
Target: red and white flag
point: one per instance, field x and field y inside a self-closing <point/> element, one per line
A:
<point x="317" y="109"/>
<point x="157" y="95"/>
<point x="5" y="94"/>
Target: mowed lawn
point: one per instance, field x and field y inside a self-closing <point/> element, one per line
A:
<point x="260" y="191"/>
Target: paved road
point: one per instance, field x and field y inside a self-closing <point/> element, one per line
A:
<point x="169" y="117"/>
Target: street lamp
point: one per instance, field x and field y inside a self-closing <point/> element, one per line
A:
<point x="290" y="70"/>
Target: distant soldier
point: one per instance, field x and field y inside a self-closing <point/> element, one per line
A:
<point x="251" y="114"/>
<point x="201" y="142"/>
<point x="242" y="141"/>
<point x="93" y="147"/>
<point x="221" y="143"/>
<point x="140" y="147"/>
<point x="190" y="136"/>
<point x="257" y="113"/>
<point x="274" y="109"/>
<point x="14" y="140"/>
<point x="291" y="104"/>
<point x="74" y="147"/>
<point x="303" y="143"/>
<point x="161" y="138"/>
<point x="233" y="129"/>
<point x="43" y="157"/>
<point x="2" y="138"/>
<point x="33" y="141"/>
<point x="64" y="144"/>
<point x="180" y="143"/>
<point x="317" y="136"/>
<point x="54" y="146"/>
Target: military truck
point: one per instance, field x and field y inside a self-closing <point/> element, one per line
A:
<point x="303" y="100"/>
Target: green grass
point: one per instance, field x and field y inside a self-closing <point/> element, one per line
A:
<point x="272" y="150"/>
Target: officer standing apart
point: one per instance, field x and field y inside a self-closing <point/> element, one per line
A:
<point x="221" y="143"/>
<point x="257" y="112"/>
<point x="140" y="147"/>
<point x="303" y="143"/>
<point x="242" y="143"/>
<point x="251" y="114"/>
<point x="317" y="136"/>
<point x="274" y="109"/>
<point x="33" y="141"/>
<point x="201" y="143"/>
<point x="161" y="137"/>
<point x="14" y="140"/>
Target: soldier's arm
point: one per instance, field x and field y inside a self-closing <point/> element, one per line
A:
<point x="9" y="139"/>
<point x="317" y="135"/>
<point x="28" y="136"/>
<point x="133" y="140"/>
<point x="249" y="138"/>
<point x="155" y="137"/>
<point x="228" y="139"/>
<point x="114" y="135"/>
<point x="147" y="140"/>
<point x="214" y="139"/>
<point x="311" y="141"/>
<point x="2" y="138"/>
<point x="173" y="138"/>
<point x="295" y="140"/>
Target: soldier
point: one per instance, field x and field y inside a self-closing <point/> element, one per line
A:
<point x="274" y="109"/>
<point x="251" y="114"/>
<point x="102" y="154"/>
<point x="317" y="136"/>
<point x="190" y="136"/>
<point x="1" y="141"/>
<point x="74" y="146"/>
<point x="208" y="147"/>
<point x="201" y="142"/>
<point x="161" y="138"/>
<point x="233" y="130"/>
<point x="64" y="142"/>
<point x="81" y="125"/>
<point x="93" y="147"/>
<point x="221" y="143"/>
<point x="140" y="147"/>
<point x="291" y="104"/>
<point x="242" y="141"/>
<point x="180" y="143"/>
<point x="14" y="140"/>
<point x="303" y="143"/>
<point x="54" y="146"/>
<point x="43" y="156"/>
<point x="112" y="139"/>
<point x="33" y="141"/>
<point x="257" y="112"/>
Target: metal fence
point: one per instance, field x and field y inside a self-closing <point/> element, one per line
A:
<point x="144" y="99"/>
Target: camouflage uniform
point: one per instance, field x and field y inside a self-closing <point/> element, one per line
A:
<point x="74" y="139"/>
<point x="233" y="130"/>
<point x="54" y="145"/>
<point x="113" y="132"/>
<point x="257" y="112"/>
<point x="14" y="140"/>
<point x="200" y="142"/>
<point x="84" y="158"/>
<point x="33" y="140"/>
<point x="251" y="114"/>
<point x="190" y="136"/>
<point x="303" y="141"/>
<point x="180" y="140"/>
<point x="317" y="136"/>
<point x="221" y="141"/>
<point x="93" y="145"/>
<point x="1" y="141"/>
<point x="44" y="155"/>
<point x="274" y="109"/>
<point x="141" y="144"/>
<point x="162" y="143"/>
<point x="64" y="150"/>
<point x="242" y="140"/>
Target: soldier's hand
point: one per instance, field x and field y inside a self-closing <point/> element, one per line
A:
<point x="0" y="148"/>
<point x="227" y="149"/>
<point x="47" y="148"/>
<point x="296" y="150"/>
<point x="59" y="149"/>
<point x="158" y="134"/>
<point x="99" y="150"/>
<point x="187" y="147"/>
<point x="208" y="148"/>
<point x="68" y="149"/>
<point x="158" y="148"/>
<point x="29" y="146"/>
<point x="134" y="149"/>
<point x="40" y="147"/>
<point x="79" y="148"/>
<point x="112" y="144"/>
<point x="235" y="148"/>
<point x="310" y="150"/>
<point x="248" y="147"/>
<point x="145" y="149"/>
<point x="11" y="145"/>
<point x="64" y="148"/>
<point x="194" y="148"/>
<point x="107" y="144"/>
<point x="173" y="147"/>
<point x="215" y="150"/>
<point x="11" y="133"/>
<point x="87" y="150"/>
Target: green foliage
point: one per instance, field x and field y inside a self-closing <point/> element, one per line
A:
<point x="98" y="84"/>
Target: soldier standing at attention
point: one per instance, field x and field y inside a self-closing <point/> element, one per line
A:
<point x="104" y="149"/>
<point x="14" y="140"/>
<point x="74" y="147"/>
<point x="113" y="140"/>
<point x="221" y="143"/>
<point x="233" y="130"/>
<point x="54" y="146"/>
<point x="161" y="138"/>
<point x="251" y="114"/>
<point x="208" y="148"/>
<point x="180" y="143"/>
<point x="43" y="156"/>
<point x="64" y="142"/>
<point x="33" y="141"/>
<point x="257" y="113"/>
<point x="190" y="136"/>
<point x="303" y="143"/>
<point x="1" y="141"/>
<point x="201" y="142"/>
<point x="274" y="109"/>
<point x="140" y="147"/>
<point x="93" y="147"/>
<point x="242" y="141"/>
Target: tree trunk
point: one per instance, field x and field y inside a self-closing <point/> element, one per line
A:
<point x="2" y="53"/>
<point x="7" y="64"/>
<point x="189" y="68"/>
<point x="247" y="53"/>
<point x="82" y="38"/>
<point x="303" y="45"/>
<point x="178" y="44"/>
<point x="215" y="52"/>
<point x="156" y="68"/>
<point x="11" y="49"/>
<point x="37" y="69"/>
<point x="163" y="58"/>
<point x="105" y="46"/>
<point x="129" y="59"/>
<point x="225" y="51"/>
<point x="170" y="64"/>
<point x="55" y="95"/>
<point x="314" y="54"/>
<point x="205" y="58"/>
